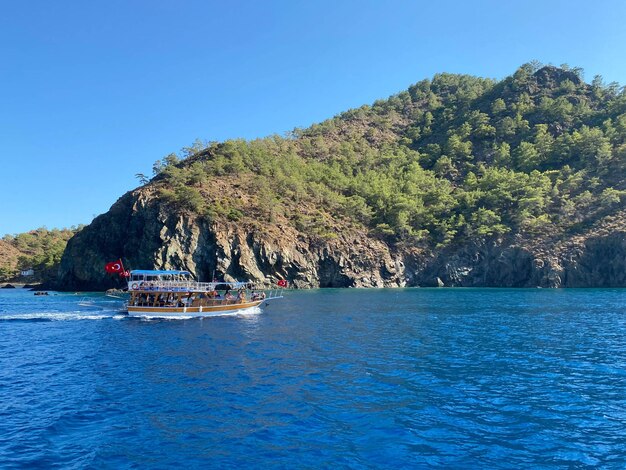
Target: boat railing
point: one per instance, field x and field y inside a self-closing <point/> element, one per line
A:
<point x="273" y="293"/>
<point x="194" y="286"/>
<point x="182" y="285"/>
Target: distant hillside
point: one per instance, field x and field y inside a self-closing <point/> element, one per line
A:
<point x="458" y="180"/>
<point x="8" y="260"/>
<point x="39" y="249"/>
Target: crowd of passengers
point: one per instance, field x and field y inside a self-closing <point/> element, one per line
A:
<point x="166" y="286"/>
<point x="195" y="299"/>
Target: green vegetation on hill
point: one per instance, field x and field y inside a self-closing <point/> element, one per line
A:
<point x="39" y="249"/>
<point x="451" y="158"/>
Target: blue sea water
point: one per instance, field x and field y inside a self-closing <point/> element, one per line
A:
<point x="406" y="378"/>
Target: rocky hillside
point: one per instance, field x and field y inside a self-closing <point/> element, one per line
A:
<point x="458" y="181"/>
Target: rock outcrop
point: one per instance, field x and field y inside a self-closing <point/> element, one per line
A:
<point x="599" y="262"/>
<point x="147" y="234"/>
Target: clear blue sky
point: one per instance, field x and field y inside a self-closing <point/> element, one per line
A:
<point x="93" y="92"/>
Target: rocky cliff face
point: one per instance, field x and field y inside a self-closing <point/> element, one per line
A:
<point x="600" y="263"/>
<point x="594" y="261"/>
<point x="147" y="234"/>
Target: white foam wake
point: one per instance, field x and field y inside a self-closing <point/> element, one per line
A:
<point x="64" y="316"/>
<point x="237" y="313"/>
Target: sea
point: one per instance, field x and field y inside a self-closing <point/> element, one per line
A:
<point x="329" y="378"/>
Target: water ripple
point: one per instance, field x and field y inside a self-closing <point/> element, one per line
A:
<point x="410" y="378"/>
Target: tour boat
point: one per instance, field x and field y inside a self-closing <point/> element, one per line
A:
<point x="176" y="293"/>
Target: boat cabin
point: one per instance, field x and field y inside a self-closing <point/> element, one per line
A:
<point x="146" y="275"/>
<point x="144" y="278"/>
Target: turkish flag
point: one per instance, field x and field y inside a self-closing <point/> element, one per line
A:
<point x="114" y="267"/>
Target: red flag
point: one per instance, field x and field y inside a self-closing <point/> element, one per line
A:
<point x="114" y="267"/>
<point x="282" y="283"/>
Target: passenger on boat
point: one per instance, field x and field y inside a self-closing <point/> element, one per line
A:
<point x="241" y="296"/>
<point x="228" y="295"/>
<point x="258" y="296"/>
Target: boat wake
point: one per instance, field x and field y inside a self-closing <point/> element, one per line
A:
<point x="237" y="313"/>
<point x="61" y="316"/>
<point x="105" y="312"/>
